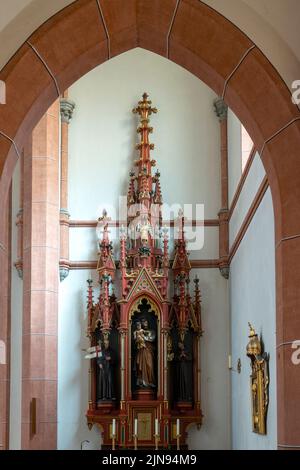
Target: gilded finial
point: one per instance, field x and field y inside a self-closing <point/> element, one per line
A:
<point x="254" y="344"/>
<point x="252" y="330"/>
<point x="144" y="108"/>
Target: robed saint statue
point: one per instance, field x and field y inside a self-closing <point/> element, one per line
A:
<point x="105" y="362"/>
<point x="184" y="375"/>
<point x="144" y="339"/>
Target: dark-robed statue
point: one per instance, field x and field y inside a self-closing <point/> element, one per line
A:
<point x="144" y="339"/>
<point x="105" y="362"/>
<point x="184" y="376"/>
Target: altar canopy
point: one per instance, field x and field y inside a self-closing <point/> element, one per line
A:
<point x="145" y="341"/>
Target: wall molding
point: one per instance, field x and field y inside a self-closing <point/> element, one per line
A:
<point x="195" y="264"/>
<point x="200" y="264"/>
<point x="116" y="223"/>
<point x="249" y="216"/>
<point x="242" y="181"/>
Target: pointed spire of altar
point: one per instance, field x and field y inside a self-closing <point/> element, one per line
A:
<point x="197" y="304"/>
<point x="144" y="108"/>
<point x="90" y="293"/>
<point x="181" y="263"/>
<point x="145" y="217"/>
<point x="157" y="198"/>
<point x="106" y="265"/>
<point x="144" y="177"/>
<point x="131" y="189"/>
<point x="90" y="305"/>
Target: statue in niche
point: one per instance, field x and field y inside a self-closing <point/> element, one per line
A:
<point x="105" y="362"/>
<point x="144" y="339"/>
<point x="184" y="374"/>
<point x="139" y="336"/>
<point x="145" y="229"/>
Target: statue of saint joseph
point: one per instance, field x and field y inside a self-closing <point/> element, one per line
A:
<point x="144" y="360"/>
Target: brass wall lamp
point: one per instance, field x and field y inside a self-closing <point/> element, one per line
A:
<point x="259" y="382"/>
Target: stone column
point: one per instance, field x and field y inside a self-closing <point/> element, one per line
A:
<point x="5" y="275"/>
<point x="66" y="111"/>
<point x="40" y="283"/>
<point x="221" y="112"/>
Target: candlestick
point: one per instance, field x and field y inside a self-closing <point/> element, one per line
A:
<point x="178" y="442"/>
<point x="178" y="433"/>
<point x="177" y="427"/>
<point x="113" y="434"/>
<point x="229" y="361"/>
<point x="135" y="433"/>
<point x="156" y="426"/>
<point x="135" y="442"/>
<point x="135" y="426"/>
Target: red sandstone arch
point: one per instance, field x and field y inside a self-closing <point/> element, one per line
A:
<point x="188" y="32"/>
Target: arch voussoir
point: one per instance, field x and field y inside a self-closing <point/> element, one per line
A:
<point x="206" y="44"/>
<point x="260" y="98"/>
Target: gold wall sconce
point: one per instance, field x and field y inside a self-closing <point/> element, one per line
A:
<point x="259" y="382"/>
<point x="238" y="365"/>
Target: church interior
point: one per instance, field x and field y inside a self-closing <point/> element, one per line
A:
<point x="149" y="225"/>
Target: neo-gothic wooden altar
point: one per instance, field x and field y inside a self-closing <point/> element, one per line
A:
<point x="146" y="340"/>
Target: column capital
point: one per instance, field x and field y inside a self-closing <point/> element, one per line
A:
<point x="225" y="271"/>
<point x="19" y="268"/>
<point x="221" y="109"/>
<point x="67" y="107"/>
<point x="63" y="273"/>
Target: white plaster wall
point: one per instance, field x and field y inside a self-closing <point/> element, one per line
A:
<point x="215" y="432"/>
<point x="202" y="245"/>
<point x="252" y="298"/>
<point x="103" y="134"/>
<point x="72" y="367"/>
<point x="254" y="179"/>
<point x="234" y="153"/>
<point x="102" y="137"/>
<point x="16" y="326"/>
